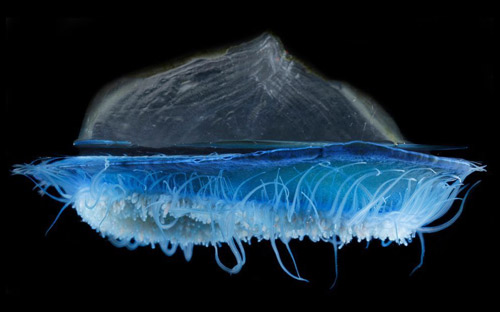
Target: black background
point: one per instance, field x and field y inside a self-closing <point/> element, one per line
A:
<point x="435" y="76"/>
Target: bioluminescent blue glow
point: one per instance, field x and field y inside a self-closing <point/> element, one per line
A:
<point x="148" y="178"/>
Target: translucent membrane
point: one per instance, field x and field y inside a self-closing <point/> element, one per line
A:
<point x="254" y="91"/>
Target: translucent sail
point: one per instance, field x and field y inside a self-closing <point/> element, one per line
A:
<point x="254" y="91"/>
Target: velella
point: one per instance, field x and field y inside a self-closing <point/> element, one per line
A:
<point x="248" y="145"/>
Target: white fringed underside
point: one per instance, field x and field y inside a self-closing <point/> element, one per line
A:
<point x="152" y="219"/>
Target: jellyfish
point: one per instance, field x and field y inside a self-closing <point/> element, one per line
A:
<point x="248" y="145"/>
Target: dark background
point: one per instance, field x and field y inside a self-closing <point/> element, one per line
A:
<point x="435" y="76"/>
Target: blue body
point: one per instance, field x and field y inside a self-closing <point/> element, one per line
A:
<point x="333" y="192"/>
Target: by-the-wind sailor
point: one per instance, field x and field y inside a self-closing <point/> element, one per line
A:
<point x="246" y="145"/>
